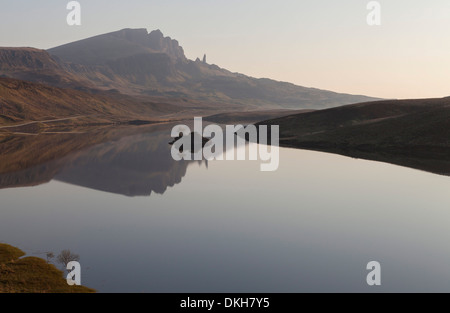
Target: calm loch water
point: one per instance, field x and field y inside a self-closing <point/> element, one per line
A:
<point x="142" y="222"/>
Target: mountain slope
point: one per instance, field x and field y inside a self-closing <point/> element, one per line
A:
<point x="38" y="66"/>
<point x="22" y="101"/>
<point x="136" y="62"/>
<point x="112" y="46"/>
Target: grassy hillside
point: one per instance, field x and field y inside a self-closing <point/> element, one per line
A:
<point x="31" y="274"/>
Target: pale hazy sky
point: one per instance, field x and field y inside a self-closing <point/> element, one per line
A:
<point x="325" y="44"/>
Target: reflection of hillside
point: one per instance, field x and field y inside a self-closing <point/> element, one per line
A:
<point x="132" y="166"/>
<point x="135" y="164"/>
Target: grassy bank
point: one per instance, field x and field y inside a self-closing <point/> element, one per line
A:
<point x="31" y="274"/>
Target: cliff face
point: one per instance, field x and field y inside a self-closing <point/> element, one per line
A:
<point x="158" y="42"/>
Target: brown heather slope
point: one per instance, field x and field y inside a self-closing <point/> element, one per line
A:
<point x="414" y="133"/>
<point x="22" y="101"/>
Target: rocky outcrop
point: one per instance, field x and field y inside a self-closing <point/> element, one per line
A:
<point x="171" y="47"/>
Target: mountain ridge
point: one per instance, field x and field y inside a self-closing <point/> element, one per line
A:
<point x="135" y="61"/>
<point x="91" y="51"/>
<point x="149" y="67"/>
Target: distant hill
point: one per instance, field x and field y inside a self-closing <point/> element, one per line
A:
<point x="134" y="61"/>
<point x="413" y="133"/>
<point x="250" y="117"/>
<point x="39" y="66"/>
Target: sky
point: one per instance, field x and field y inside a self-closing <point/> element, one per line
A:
<point x="325" y="44"/>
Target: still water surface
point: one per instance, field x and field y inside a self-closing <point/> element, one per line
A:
<point x="142" y="222"/>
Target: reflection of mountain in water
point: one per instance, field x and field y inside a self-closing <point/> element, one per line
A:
<point x="135" y="165"/>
